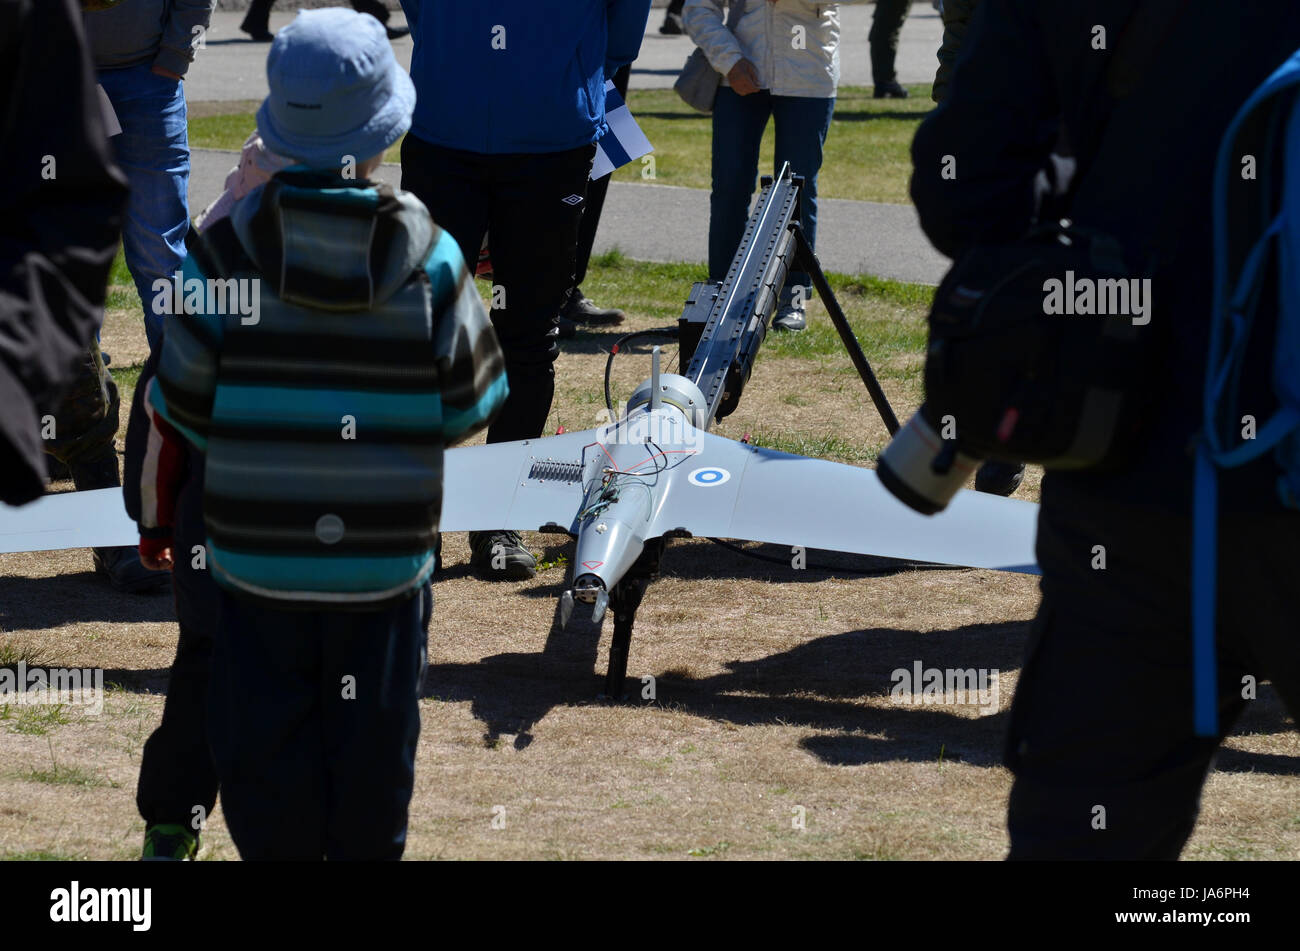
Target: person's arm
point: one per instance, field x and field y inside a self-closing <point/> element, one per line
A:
<point x="471" y="367"/>
<point x="626" y="21"/>
<point x="956" y="21"/>
<point x="975" y="157"/>
<point x="706" y="25"/>
<point x="60" y="223"/>
<point x="187" y="21"/>
<point x="154" y="467"/>
<point x="184" y="389"/>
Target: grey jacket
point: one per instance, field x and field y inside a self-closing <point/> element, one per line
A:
<point x="159" y="32"/>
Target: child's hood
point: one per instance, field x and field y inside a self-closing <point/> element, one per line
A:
<point x="323" y="241"/>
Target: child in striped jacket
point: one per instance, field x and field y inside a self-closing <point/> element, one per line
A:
<point x="326" y="343"/>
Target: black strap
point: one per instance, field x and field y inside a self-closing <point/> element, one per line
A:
<point x="1143" y="35"/>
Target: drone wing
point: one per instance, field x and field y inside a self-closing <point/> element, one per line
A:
<point x="528" y="485"/>
<point x="90" y="519"/>
<point x="733" y="490"/>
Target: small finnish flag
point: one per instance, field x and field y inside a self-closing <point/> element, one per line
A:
<point x="624" y="141"/>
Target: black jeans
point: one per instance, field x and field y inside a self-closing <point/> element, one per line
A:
<point x="531" y="206"/>
<point x="314" y="719"/>
<point x="177" y="775"/>
<point x="1102" y="717"/>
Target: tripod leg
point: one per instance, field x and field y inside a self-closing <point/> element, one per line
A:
<point x="807" y="260"/>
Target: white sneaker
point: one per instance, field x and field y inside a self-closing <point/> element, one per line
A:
<point x="790" y="315"/>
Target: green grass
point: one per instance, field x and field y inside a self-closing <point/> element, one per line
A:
<point x="33" y="720"/>
<point x="816" y="445"/>
<point x="229" y="130"/>
<point x="11" y="654"/>
<point x="40" y="855"/>
<point x="67" y="776"/>
<point x="866" y="154"/>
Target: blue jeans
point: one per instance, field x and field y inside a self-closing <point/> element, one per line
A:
<point x="153" y="150"/>
<point x="738" y="124"/>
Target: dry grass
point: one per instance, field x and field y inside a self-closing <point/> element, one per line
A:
<point x="771" y="685"/>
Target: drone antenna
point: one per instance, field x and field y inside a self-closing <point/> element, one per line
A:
<point x="655" y="401"/>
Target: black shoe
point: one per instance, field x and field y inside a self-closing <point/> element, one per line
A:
<point x="568" y="329"/>
<point x="125" y="572"/>
<point x="500" y="556"/>
<point x="582" y="311"/>
<point x="672" y="25"/>
<point x="999" y="478"/>
<point x="397" y="32"/>
<point x="890" y="90"/>
<point x="257" y="33"/>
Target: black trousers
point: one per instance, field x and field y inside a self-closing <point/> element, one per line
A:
<point x="532" y="205"/>
<point x="178" y="782"/>
<point x="886" y="26"/>
<point x="314" y="719"/>
<point x="1100" y="738"/>
<point x="596" y="198"/>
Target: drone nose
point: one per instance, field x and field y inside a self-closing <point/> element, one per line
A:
<point x="588" y="589"/>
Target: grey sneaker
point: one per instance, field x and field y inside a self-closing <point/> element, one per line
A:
<point x="501" y="556"/>
<point x="790" y="315"/>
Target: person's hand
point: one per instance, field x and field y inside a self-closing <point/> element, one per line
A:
<point x="743" y="78"/>
<point x="160" y="562"/>
<point x="159" y="71"/>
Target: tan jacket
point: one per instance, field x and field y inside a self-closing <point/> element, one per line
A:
<point x="794" y="44"/>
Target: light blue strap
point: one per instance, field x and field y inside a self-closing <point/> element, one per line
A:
<point x="1205" y="549"/>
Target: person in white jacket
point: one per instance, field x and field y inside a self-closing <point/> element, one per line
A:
<point x="781" y="62"/>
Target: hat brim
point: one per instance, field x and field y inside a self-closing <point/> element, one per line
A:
<point x="372" y="138"/>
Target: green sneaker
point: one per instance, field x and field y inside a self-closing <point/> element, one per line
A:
<point x="169" y="843"/>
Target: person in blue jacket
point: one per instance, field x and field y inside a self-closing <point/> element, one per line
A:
<point x="510" y="102"/>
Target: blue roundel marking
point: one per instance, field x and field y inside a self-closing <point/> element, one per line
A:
<point x="708" y="476"/>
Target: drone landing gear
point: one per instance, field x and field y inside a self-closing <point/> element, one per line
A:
<point x="624" y="601"/>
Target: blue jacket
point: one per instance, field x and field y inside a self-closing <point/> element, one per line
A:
<point x="516" y="76"/>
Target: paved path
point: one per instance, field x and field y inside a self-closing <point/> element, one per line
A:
<point x="649" y="222"/>
<point x="233" y="67"/>
<point x="667" y="223"/>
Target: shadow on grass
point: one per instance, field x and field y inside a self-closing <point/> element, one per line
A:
<point x="33" y="604"/>
<point x="815" y="686"/>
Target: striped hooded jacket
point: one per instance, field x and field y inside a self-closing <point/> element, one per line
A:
<point x="327" y="344"/>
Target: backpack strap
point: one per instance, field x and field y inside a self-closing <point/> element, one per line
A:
<point x="1234" y="304"/>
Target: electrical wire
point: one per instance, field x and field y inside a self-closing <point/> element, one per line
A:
<point x="609" y="362"/>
